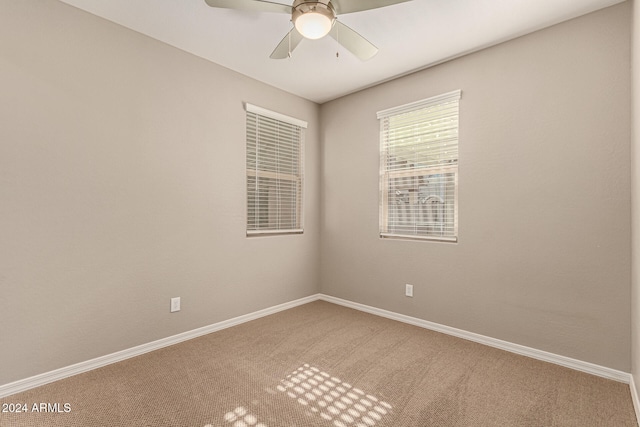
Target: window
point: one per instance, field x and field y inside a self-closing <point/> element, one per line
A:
<point x="419" y="169"/>
<point x="274" y="172"/>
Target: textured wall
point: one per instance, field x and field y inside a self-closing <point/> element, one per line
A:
<point x="543" y="256"/>
<point x="122" y="184"/>
<point x="635" y="196"/>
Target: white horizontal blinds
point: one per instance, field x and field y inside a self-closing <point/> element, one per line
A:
<point x="419" y="169"/>
<point x="274" y="173"/>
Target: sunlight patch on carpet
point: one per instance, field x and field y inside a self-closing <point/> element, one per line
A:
<point x="241" y="417"/>
<point x="332" y="399"/>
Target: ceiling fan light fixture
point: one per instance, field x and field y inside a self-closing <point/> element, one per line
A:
<point x="313" y="20"/>
<point x="313" y="25"/>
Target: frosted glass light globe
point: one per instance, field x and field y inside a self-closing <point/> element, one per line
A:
<point x="313" y="25"/>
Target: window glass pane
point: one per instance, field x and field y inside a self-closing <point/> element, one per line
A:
<point x="422" y="205"/>
<point x="274" y="175"/>
<point x="419" y="169"/>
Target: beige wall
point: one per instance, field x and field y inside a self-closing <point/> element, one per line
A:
<point x="544" y="233"/>
<point x="122" y="185"/>
<point x="635" y="197"/>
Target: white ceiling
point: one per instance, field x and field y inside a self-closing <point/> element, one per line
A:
<point x="411" y="36"/>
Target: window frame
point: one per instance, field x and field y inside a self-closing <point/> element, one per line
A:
<point x="255" y="172"/>
<point x="386" y="174"/>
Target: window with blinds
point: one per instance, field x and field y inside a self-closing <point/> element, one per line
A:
<point x="419" y="169"/>
<point x="274" y="172"/>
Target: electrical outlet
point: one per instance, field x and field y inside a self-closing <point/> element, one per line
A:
<point x="175" y="304"/>
<point x="408" y="290"/>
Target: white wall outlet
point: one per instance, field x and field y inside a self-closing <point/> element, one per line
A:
<point x="408" y="290"/>
<point x="175" y="304"/>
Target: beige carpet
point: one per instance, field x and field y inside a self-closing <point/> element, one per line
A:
<point x="328" y="366"/>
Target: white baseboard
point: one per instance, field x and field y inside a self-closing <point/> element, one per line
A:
<point x="58" y="374"/>
<point x="568" y="362"/>
<point x="634" y="397"/>
<point x="78" y="368"/>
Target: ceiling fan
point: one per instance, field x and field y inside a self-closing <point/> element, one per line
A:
<point x="314" y="19"/>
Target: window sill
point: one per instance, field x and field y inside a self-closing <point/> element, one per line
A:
<point x="258" y="233"/>
<point x="418" y="238"/>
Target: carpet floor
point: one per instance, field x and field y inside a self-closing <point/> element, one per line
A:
<point x="325" y="365"/>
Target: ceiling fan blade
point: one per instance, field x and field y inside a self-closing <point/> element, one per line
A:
<point x="349" y="6"/>
<point x="287" y="45"/>
<point x="352" y="41"/>
<point x="251" y="5"/>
